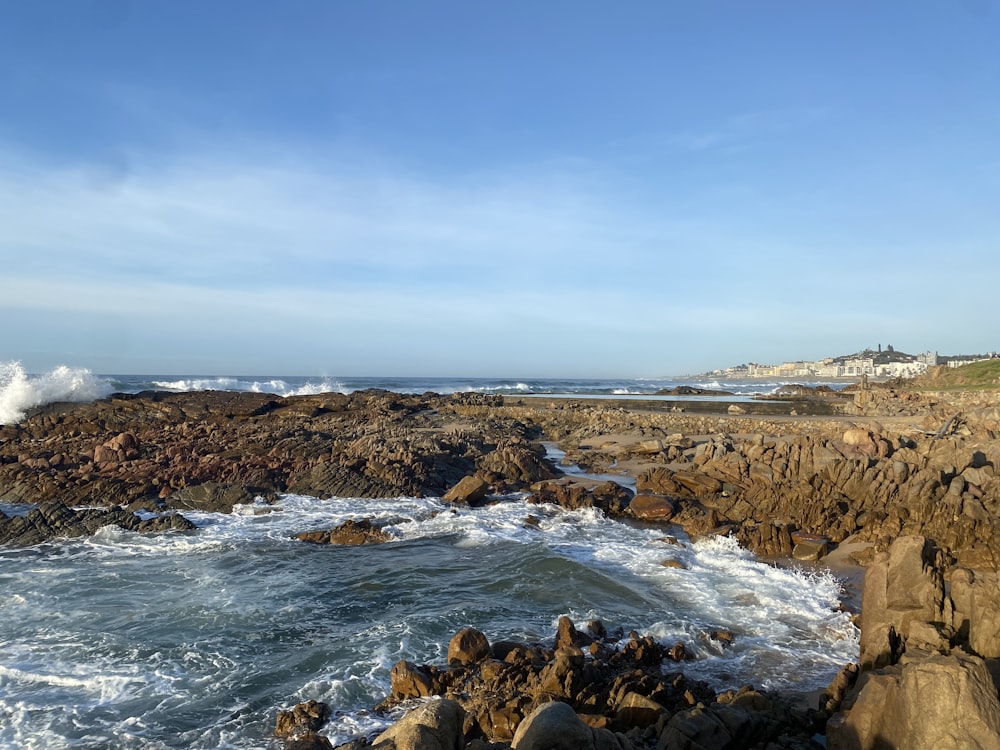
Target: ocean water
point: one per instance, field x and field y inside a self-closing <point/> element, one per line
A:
<point x="197" y="639"/>
<point x="21" y="391"/>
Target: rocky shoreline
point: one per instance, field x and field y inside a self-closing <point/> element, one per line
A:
<point x="874" y="472"/>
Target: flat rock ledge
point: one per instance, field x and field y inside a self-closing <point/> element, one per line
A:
<point x="56" y="520"/>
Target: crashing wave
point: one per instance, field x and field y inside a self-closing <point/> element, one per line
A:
<point x="20" y="391"/>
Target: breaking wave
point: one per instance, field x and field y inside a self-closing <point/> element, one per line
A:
<point x="21" y="391"/>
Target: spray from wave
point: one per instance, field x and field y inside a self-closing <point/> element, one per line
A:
<point x="20" y="391"/>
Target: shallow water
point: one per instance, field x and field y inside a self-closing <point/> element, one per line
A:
<point x="196" y="639"/>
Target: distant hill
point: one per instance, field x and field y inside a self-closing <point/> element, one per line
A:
<point x="983" y="375"/>
<point x="879" y="358"/>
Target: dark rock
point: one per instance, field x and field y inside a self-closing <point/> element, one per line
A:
<point x="211" y="497"/>
<point x="302" y="719"/>
<point x="56" y="520"/>
<point x="351" y="533"/>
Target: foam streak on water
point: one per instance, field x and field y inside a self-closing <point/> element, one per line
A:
<point x="194" y="640"/>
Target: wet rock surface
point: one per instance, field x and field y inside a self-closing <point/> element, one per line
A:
<point x="580" y="691"/>
<point x="55" y="519"/>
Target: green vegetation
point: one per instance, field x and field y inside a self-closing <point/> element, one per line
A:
<point x="983" y="375"/>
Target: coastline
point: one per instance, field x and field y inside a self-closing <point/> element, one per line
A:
<point x="803" y="489"/>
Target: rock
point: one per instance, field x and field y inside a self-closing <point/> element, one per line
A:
<point x="902" y="586"/>
<point x="56" y="520"/>
<point x="302" y="719"/>
<point x="976" y="599"/>
<point x="555" y="726"/>
<point x="517" y="465"/>
<point x="609" y="497"/>
<point x="351" y="533"/>
<point x="467" y="646"/>
<point x="652" y="507"/>
<point x="469" y="491"/>
<point x="309" y="741"/>
<point x="809" y="547"/>
<point x="213" y="497"/>
<point x="407" y="680"/>
<point x="929" y="703"/>
<point x="636" y="710"/>
<point x="436" y="725"/>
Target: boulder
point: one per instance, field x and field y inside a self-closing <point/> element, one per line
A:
<point x="609" y="497"/>
<point x="301" y="720"/>
<point x="468" y="646"/>
<point x="976" y="598"/>
<point x="809" y="547"/>
<point x="903" y="587"/>
<point x="652" y="507"/>
<point x="213" y="497"/>
<point x="436" y="725"/>
<point x="407" y="680"/>
<point x="469" y="491"/>
<point x="935" y="702"/>
<point x="555" y="726"/>
<point x="351" y="533"/>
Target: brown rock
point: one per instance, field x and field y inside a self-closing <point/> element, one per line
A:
<point x="928" y="703"/>
<point x="436" y="725"/>
<point x="469" y="491"/>
<point x="351" y="533"/>
<point x="468" y="646"/>
<point x="652" y="507"/>
<point x="302" y="719"/>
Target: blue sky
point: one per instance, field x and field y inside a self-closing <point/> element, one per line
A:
<point x="495" y="188"/>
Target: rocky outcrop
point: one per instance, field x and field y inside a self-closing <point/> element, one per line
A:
<point x="864" y="482"/>
<point x="615" y="696"/>
<point x="437" y="725"/>
<point x="471" y="490"/>
<point x="351" y="533"/>
<point x="299" y="726"/>
<point x="609" y="497"/>
<point x="210" y="450"/>
<point x="556" y="726"/>
<point x="924" y="679"/>
<point x="923" y="702"/>
<point x="56" y="520"/>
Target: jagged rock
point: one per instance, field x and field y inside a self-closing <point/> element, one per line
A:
<point x="407" y="680"/>
<point x="517" y="465"/>
<point x="351" y="533"/>
<point x="609" y="497"/>
<point x="931" y="702"/>
<point x="436" y="725"/>
<point x="809" y="547"/>
<point x="302" y="719"/>
<point x="328" y="479"/>
<point x="212" y="497"/>
<point x="903" y="587"/>
<point x="56" y="520"/>
<point x="469" y="491"/>
<point x="468" y="646"/>
<point x="976" y="599"/>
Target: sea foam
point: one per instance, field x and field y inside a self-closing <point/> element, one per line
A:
<point x="20" y="391"/>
